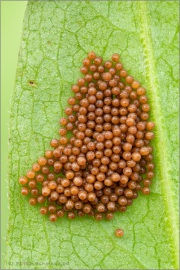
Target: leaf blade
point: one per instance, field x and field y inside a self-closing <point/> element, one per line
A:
<point x="35" y="115"/>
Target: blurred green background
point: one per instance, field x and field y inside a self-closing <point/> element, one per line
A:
<point x="12" y="13"/>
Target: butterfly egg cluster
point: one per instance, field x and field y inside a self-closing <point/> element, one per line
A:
<point x="108" y="158"/>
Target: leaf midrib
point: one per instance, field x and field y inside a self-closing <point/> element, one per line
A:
<point x="161" y="139"/>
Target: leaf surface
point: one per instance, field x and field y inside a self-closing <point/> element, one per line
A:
<point x="56" y="37"/>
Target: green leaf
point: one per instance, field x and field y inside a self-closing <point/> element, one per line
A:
<point x="57" y="35"/>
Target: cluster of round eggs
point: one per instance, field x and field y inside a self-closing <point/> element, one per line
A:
<point x="103" y="156"/>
